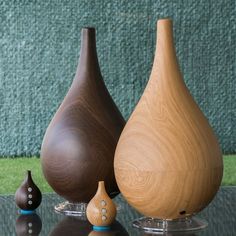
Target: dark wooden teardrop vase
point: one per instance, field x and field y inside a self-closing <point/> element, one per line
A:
<point x="79" y="144"/>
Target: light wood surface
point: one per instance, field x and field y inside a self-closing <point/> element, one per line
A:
<point x="168" y="163"/>
<point x="101" y="211"/>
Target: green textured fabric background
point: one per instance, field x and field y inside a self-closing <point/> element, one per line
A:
<point x="40" y="45"/>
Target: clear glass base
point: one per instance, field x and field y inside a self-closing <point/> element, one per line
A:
<point x="72" y="209"/>
<point x="151" y="225"/>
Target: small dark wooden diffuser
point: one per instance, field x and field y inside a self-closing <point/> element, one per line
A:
<point x="79" y="144"/>
<point x="28" y="196"/>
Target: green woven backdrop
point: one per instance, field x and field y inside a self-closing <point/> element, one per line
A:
<point x="40" y="45"/>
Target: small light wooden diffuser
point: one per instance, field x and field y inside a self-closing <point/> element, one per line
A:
<point x="101" y="211"/>
<point x="168" y="162"/>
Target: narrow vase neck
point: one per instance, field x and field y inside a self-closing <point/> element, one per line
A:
<point x="165" y="49"/>
<point x="101" y="188"/>
<point x="165" y="39"/>
<point x="28" y="177"/>
<point x="88" y="54"/>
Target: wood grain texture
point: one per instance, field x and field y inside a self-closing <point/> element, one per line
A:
<point x="101" y="211"/>
<point x="79" y="144"/>
<point x="168" y="162"/>
<point x="28" y="196"/>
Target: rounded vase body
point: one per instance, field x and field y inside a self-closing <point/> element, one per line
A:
<point x="168" y="163"/>
<point x="79" y="144"/>
<point x="101" y="211"/>
<point x="28" y="196"/>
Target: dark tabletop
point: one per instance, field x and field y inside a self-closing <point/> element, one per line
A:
<point x="220" y="214"/>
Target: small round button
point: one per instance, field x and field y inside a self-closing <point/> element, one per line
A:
<point x="104" y="218"/>
<point x="30" y="231"/>
<point x="29" y="189"/>
<point x="30" y="196"/>
<point x="30" y="202"/>
<point x="30" y="224"/>
<point x="103" y="203"/>
<point x="104" y="210"/>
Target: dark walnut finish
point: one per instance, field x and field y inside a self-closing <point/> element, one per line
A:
<point x="79" y="144"/>
<point x="28" y="196"/>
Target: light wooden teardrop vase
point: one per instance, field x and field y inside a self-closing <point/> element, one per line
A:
<point x="168" y="163"/>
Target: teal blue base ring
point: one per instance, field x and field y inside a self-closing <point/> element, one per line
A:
<point x="26" y="212"/>
<point x="101" y="228"/>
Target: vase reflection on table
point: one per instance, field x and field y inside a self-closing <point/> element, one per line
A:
<point x="29" y="224"/>
<point x="79" y="144"/>
<point x="168" y="163"/>
<point x="74" y="226"/>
